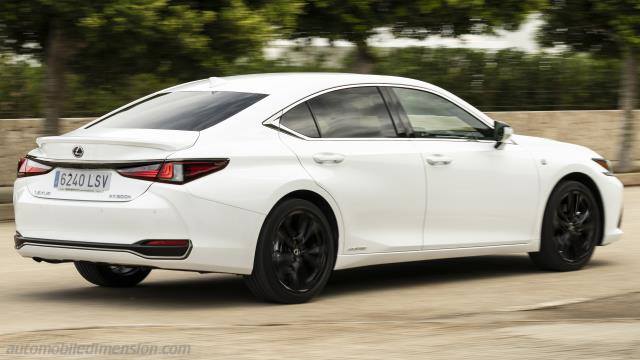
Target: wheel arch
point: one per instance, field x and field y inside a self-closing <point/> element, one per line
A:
<point x="324" y="206"/>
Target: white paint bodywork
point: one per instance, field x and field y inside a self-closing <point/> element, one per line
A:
<point x="394" y="199"/>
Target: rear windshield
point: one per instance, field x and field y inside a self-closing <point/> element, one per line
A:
<point x="183" y="110"/>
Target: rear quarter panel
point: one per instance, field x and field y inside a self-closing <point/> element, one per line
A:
<point x="261" y="170"/>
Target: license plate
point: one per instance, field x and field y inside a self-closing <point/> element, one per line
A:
<point x="82" y="180"/>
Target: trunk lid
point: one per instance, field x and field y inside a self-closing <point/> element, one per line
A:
<point x="85" y="162"/>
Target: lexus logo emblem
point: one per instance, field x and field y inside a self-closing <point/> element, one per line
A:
<point x="77" y="151"/>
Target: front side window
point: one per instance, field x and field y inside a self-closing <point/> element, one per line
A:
<point x="433" y="116"/>
<point x="181" y="110"/>
<point x="352" y="113"/>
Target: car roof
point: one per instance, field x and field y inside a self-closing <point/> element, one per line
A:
<point x="293" y="83"/>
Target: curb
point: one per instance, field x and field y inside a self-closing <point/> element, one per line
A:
<point x="6" y="212"/>
<point x="6" y="194"/>
<point x="629" y="179"/>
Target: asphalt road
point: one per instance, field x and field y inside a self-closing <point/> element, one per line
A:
<point x="482" y="308"/>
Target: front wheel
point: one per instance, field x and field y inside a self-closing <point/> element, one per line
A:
<point x="295" y="254"/>
<point x="111" y="275"/>
<point x="571" y="228"/>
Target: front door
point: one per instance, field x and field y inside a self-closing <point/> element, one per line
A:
<point x="476" y="195"/>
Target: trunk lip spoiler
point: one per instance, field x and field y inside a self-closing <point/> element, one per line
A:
<point x="43" y="140"/>
<point x="94" y="164"/>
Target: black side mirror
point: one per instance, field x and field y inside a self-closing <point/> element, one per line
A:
<point x="502" y="133"/>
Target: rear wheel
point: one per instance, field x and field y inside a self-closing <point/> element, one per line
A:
<point x="295" y="254"/>
<point x="571" y="228"/>
<point x="112" y="275"/>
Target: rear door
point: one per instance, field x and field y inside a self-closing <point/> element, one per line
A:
<point x="476" y="195"/>
<point x="352" y="150"/>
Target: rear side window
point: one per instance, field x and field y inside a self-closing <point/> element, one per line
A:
<point x="352" y="113"/>
<point x="182" y="110"/>
<point x="300" y="120"/>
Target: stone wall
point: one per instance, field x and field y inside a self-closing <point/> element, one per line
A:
<point x="599" y="130"/>
<point x="18" y="136"/>
<point x="595" y="129"/>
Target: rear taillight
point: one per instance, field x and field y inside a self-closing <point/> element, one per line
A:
<point x="29" y="167"/>
<point x="174" y="172"/>
<point x="144" y="172"/>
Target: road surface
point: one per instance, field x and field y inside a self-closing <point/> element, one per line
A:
<point x="482" y="308"/>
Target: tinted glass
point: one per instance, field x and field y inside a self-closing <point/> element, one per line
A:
<point x="299" y="119"/>
<point x="352" y="113"/>
<point x="188" y="110"/>
<point x="433" y="116"/>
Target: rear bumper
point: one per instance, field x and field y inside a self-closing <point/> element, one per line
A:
<point x="222" y="238"/>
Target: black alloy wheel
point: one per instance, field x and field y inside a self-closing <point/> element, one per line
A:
<point x="295" y="253"/>
<point x="574" y="226"/>
<point x="571" y="229"/>
<point x="299" y="251"/>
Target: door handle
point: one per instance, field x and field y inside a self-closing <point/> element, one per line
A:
<point x="438" y="160"/>
<point x="328" y="158"/>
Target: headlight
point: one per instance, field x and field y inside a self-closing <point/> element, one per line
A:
<point x="606" y="164"/>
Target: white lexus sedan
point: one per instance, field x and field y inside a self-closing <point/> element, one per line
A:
<point x="284" y="178"/>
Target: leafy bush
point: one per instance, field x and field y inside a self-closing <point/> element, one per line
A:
<point x="509" y="79"/>
<point x="502" y="80"/>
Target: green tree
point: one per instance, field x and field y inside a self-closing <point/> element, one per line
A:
<point x="20" y="85"/>
<point x="104" y="41"/>
<point x="609" y="28"/>
<point x="351" y="20"/>
<point x="357" y="20"/>
<point x="87" y="34"/>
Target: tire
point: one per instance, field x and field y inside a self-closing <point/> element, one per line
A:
<point x="111" y="275"/>
<point x="571" y="228"/>
<point x="295" y="254"/>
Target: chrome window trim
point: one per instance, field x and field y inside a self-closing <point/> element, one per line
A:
<point x="274" y="120"/>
